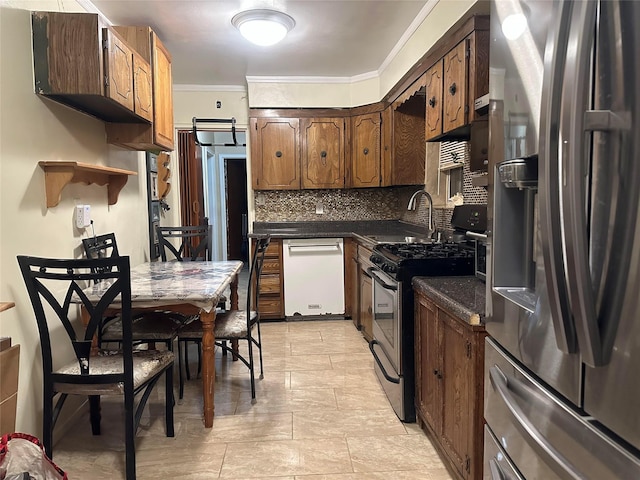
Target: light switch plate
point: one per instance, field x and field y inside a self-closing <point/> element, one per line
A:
<point x="319" y="208"/>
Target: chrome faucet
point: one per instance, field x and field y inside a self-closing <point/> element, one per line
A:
<point x="412" y="206"/>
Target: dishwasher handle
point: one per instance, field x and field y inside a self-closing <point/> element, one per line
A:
<point x="310" y="247"/>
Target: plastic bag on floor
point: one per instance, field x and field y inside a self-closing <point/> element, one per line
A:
<point x="22" y="457"/>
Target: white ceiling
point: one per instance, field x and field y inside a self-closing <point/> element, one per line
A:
<point x="332" y="38"/>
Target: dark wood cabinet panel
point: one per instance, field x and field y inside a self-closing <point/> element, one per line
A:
<point x="158" y="135"/>
<point x="365" y="150"/>
<point x="433" y="122"/>
<point x="454" y="72"/>
<point x="72" y="65"/>
<point x="449" y="385"/>
<point x="323" y="153"/>
<point x="275" y="153"/>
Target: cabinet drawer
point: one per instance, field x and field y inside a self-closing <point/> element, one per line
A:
<point x="271" y="266"/>
<point x="269" y="284"/>
<point x="273" y="250"/>
<point x="270" y="306"/>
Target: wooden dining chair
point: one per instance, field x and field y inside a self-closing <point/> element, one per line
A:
<point x="234" y="326"/>
<point x="55" y="290"/>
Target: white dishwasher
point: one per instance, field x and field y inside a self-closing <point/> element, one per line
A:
<point x="313" y="276"/>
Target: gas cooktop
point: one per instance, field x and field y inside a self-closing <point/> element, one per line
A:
<point x="403" y="261"/>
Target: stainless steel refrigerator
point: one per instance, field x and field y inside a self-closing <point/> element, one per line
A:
<point x="562" y="379"/>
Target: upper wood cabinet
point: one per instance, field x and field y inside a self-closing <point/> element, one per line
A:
<point x="404" y="153"/>
<point x="453" y="83"/>
<point x="323" y="153"/>
<point x="365" y="170"/>
<point x="158" y="135"/>
<point x="82" y="63"/>
<point x="275" y="153"/>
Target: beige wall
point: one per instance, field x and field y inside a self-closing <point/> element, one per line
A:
<point x="34" y="129"/>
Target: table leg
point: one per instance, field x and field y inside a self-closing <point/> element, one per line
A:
<point x="234" y="293"/>
<point x="208" y="365"/>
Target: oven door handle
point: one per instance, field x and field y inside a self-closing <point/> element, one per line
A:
<point x="371" y="271"/>
<point x="377" y="359"/>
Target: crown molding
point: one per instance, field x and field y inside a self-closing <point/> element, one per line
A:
<point x="310" y="79"/>
<point x="183" y="87"/>
<point x="91" y="8"/>
<point x="422" y="15"/>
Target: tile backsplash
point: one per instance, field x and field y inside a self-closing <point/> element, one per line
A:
<point x="388" y="203"/>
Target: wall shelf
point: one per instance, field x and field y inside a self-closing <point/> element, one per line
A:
<point x="58" y="175"/>
<point x="6" y="306"/>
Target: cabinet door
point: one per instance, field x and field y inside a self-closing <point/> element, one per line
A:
<point x="365" y="150"/>
<point x="366" y="300"/>
<point x="118" y="69"/>
<point x="428" y="365"/>
<point x="457" y="389"/>
<point x="162" y="95"/>
<point x="275" y="154"/>
<point x="455" y="73"/>
<point x="433" y="122"/>
<point x="323" y="153"/>
<point x="351" y="279"/>
<point x="142" y="87"/>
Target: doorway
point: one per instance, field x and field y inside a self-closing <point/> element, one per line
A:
<point x="222" y="186"/>
<point x="237" y="208"/>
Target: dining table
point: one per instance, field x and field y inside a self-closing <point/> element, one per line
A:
<point x="190" y="288"/>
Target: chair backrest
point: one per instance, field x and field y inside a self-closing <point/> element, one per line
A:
<point x="102" y="246"/>
<point x="55" y="289"/>
<point x="257" y="261"/>
<point x="194" y="243"/>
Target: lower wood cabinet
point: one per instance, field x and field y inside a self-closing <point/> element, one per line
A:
<point x="271" y="299"/>
<point x="365" y="293"/>
<point x="449" y="355"/>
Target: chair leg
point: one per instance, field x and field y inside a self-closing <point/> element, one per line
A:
<point x="47" y="422"/>
<point x="129" y="435"/>
<point x="224" y="350"/>
<point x="260" y="351"/>
<point x="180" y="375"/>
<point x="169" y="402"/>
<point x="186" y="359"/>
<point x="234" y="350"/>
<point x="251" y="367"/>
<point x="94" y="414"/>
<point x="199" y="343"/>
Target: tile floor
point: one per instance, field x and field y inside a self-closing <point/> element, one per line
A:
<point x="320" y="415"/>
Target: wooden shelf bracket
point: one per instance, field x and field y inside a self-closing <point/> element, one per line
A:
<point x="58" y="175"/>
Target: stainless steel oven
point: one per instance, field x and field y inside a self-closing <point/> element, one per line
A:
<point x="386" y="345"/>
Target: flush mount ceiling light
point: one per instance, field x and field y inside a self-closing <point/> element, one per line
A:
<point x="263" y="27"/>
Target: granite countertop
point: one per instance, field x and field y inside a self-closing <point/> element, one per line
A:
<point x="359" y="228"/>
<point x="462" y="296"/>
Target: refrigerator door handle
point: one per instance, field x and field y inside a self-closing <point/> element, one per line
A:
<point x="504" y="385"/>
<point x="575" y="100"/>
<point x="496" y="471"/>
<point x="549" y="180"/>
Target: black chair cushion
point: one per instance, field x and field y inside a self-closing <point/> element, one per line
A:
<point x="149" y="326"/>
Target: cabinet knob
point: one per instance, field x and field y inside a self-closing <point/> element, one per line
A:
<point x="278" y="154"/>
<point x="432" y="102"/>
<point x="323" y="154"/>
<point x="365" y="151"/>
<point x="452" y="89"/>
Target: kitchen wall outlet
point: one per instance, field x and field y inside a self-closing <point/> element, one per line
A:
<point x="319" y="208"/>
<point x="260" y="199"/>
<point x="83" y="216"/>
